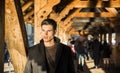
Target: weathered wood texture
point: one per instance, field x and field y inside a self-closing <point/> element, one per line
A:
<point x="41" y="13"/>
<point x="27" y="5"/>
<point x="92" y="14"/>
<point x="62" y="14"/>
<point x="98" y="3"/>
<point x="66" y="10"/>
<point x="13" y="37"/>
<point x="2" y="34"/>
<point x="38" y="4"/>
<point x="22" y="24"/>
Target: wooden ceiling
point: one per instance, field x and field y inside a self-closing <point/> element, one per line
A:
<point x="94" y="16"/>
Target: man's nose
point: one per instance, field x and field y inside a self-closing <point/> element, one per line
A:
<point x="46" y="33"/>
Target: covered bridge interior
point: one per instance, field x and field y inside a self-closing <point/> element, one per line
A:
<point x="89" y="17"/>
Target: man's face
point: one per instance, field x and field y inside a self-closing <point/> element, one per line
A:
<point x="47" y="33"/>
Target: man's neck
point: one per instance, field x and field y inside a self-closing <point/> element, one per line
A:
<point x="49" y="44"/>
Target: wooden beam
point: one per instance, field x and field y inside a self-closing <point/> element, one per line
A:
<point x="113" y="11"/>
<point x="22" y="24"/>
<point x="66" y="10"/>
<point x="27" y="5"/>
<point x="28" y="14"/>
<point x="99" y="4"/>
<point x="74" y="32"/>
<point x="30" y="21"/>
<point x="68" y="27"/>
<point x="45" y="11"/>
<point x="67" y="21"/>
<point x="85" y="20"/>
<point x="92" y="14"/>
<point x="2" y="34"/>
<point x="71" y="16"/>
<point x="13" y="36"/>
<point x="42" y="13"/>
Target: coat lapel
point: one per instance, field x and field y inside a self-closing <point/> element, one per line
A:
<point x="44" y="59"/>
<point x="58" y="54"/>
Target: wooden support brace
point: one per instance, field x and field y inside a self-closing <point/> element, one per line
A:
<point x="40" y="14"/>
<point x="99" y="4"/>
<point x="27" y="5"/>
<point x="92" y="14"/>
<point x="14" y="35"/>
<point x="22" y="24"/>
<point x="29" y="14"/>
<point x="66" y="10"/>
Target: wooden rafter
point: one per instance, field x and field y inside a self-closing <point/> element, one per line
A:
<point x="30" y="21"/>
<point x="99" y="4"/>
<point x="22" y="24"/>
<point x="68" y="27"/>
<point x="92" y="14"/>
<point x="27" y="5"/>
<point x="73" y="31"/>
<point x="66" y="10"/>
<point x="29" y="14"/>
<point x="113" y="11"/>
<point x="63" y="13"/>
<point x="40" y="14"/>
<point x="45" y="11"/>
<point x="71" y="16"/>
<point x="15" y="35"/>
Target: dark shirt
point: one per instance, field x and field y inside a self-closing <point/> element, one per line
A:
<point x="51" y="52"/>
<point x="80" y="47"/>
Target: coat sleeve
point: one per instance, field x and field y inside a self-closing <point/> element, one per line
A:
<point x="70" y="62"/>
<point x="28" y="67"/>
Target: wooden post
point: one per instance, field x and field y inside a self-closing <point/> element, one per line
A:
<point x="15" y="37"/>
<point x="2" y="34"/>
<point x="22" y="24"/>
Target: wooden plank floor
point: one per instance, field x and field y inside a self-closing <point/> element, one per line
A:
<point x="88" y="68"/>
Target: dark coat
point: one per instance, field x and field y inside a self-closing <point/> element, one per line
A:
<point x="37" y="62"/>
<point x="79" y="47"/>
<point x="96" y="48"/>
<point x="106" y="51"/>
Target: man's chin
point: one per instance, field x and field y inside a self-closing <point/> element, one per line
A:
<point x="47" y="40"/>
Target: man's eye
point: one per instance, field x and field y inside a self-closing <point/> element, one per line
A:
<point x="49" y="30"/>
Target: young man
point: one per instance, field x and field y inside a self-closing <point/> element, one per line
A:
<point x="49" y="56"/>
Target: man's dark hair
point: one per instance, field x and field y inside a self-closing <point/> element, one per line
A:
<point x="49" y="22"/>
